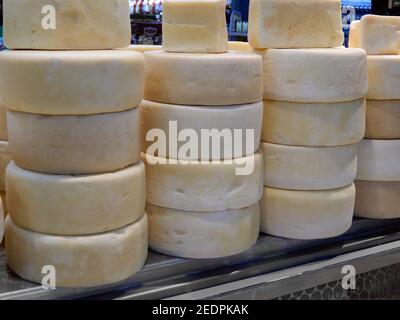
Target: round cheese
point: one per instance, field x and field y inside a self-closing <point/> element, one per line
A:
<point x="75" y="205"/>
<point x="203" y="79"/>
<point x="3" y="124"/>
<point x="74" y="144"/>
<point x="383" y="77"/>
<point x="200" y="235"/>
<point x="378" y="200"/>
<point x="66" y="24"/>
<point x="78" y="261"/>
<point x="5" y="159"/>
<point x="314" y="124"/>
<point x="198" y="186"/>
<point x="307" y="214"/>
<point x="239" y="46"/>
<point x="383" y="119"/>
<point x="173" y="119"/>
<point x="315" y="75"/>
<point x="354" y="35"/>
<point x="378" y="160"/>
<point x="1" y="222"/>
<point x="309" y="168"/>
<point x="143" y="48"/>
<point x="4" y="202"/>
<point x="71" y="82"/>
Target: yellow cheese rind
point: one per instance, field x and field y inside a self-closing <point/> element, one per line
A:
<point x="79" y="261"/>
<point x="200" y="235"/>
<point x="354" y="35"/>
<point x="239" y="46"/>
<point x="71" y="82"/>
<point x="377" y="200"/>
<point x="5" y="159"/>
<point x="3" y="124"/>
<point x="314" y="124"/>
<point x="309" y="168"/>
<point x="383" y="119"/>
<point x="75" y="205"/>
<point x="155" y="115"/>
<point x="203" y="79"/>
<point x="378" y="160"/>
<point x="295" y="24"/>
<point x="80" y="25"/>
<point x="307" y="214"/>
<point x="74" y="144"/>
<point x="1" y="222"/>
<point x="197" y="186"/>
<point x="315" y="75"/>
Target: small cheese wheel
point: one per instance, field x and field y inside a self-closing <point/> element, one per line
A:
<point x="314" y="124"/>
<point x="377" y="199"/>
<point x="200" y="235"/>
<point x="66" y="24"/>
<point x="383" y="77"/>
<point x="203" y="79"/>
<point x="1" y="222"/>
<point x="307" y="215"/>
<point x="79" y="261"/>
<point x="173" y="119"/>
<point x="354" y="35"/>
<point x="3" y="124"/>
<point x="309" y="168"/>
<point x="75" y="205"/>
<point x="378" y="160"/>
<point x="143" y="48"/>
<point x="198" y="186"/>
<point x="239" y="46"/>
<point x="74" y="144"/>
<point x="315" y="75"/>
<point x="383" y="119"/>
<point x="4" y="202"/>
<point x="5" y="159"/>
<point x="71" y="82"/>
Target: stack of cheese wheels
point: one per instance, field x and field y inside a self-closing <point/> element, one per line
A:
<point x="5" y="156"/>
<point x="378" y="179"/>
<point x="76" y="188"/>
<point x="202" y="198"/>
<point x="314" y="116"/>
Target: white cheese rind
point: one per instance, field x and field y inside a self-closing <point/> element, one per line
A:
<point x="75" y="205"/>
<point x="307" y="215"/>
<point x="202" y="235"/>
<point x="383" y="119"/>
<point x="354" y="35"/>
<point x="5" y="159"/>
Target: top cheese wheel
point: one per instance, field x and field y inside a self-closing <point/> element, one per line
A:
<point x="71" y="82"/>
<point x="315" y="75"/>
<point x="66" y="24"/>
<point x="203" y="79"/>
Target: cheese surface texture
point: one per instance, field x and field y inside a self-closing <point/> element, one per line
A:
<point x="5" y="159"/>
<point x="307" y="214"/>
<point x="3" y="124"/>
<point x="1" y="222"/>
<point x="71" y="82"/>
<point x="314" y="124"/>
<point x="75" y="205"/>
<point x="74" y="144"/>
<point x="4" y="202"/>
<point x="295" y="24"/>
<point x="197" y="186"/>
<point x="354" y="35"/>
<point x="309" y="168"/>
<point x="143" y="48"/>
<point x="377" y="199"/>
<point x="195" y="26"/>
<point x="315" y="75"/>
<point x="203" y="79"/>
<point x="240" y="46"/>
<point x="383" y="119"/>
<point x="202" y="235"/>
<point x="166" y="117"/>
<point x="378" y="160"/>
<point x="79" y="261"/>
<point x="66" y="24"/>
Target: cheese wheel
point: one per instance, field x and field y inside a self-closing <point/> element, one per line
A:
<point x="315" y="75"/>
<point x="239" y="46"/>
<point x="67" y="24"/>
<point x="79" y="261"/>
<point x="202" y="235"/>
<point x="307" y="215"/>
<point x="203" y="79"/>
<point x="309" y="168"/>
<point x="71" y="82"/>
<point x="198" y="186"/>
<point x="1" y="222"/>
<point x="143" y="48"/>
<point x="378" y="200"/>
<point x="383" y="77"/>
<point x="4" y="202"/>
<point x="314" y="124"/>
<point x="3" y="124"/>
<point x="75" y="205"/>
<point x="383" y="119"/>
<point x="354" y="35"/>
<point x="5" y="159"/>
<point x="378" y="160"/>
<point x="175" y="120"/>
<point x="74" y="144"/>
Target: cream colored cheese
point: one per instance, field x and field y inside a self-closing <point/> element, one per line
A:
<point x="383" y="119"/>
<point x="143" y="48"/>
<point x="5" y="159"/>
<point x="4" y="202"/>
<point x="239" y="46"/>
<point x="354" y="36"/>
<point x="3" y="124"/>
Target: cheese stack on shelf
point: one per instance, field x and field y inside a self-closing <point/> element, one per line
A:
<point x="314" y="116"/>
<point x="5" y="156"/>
<point x="378" y="179"/>
<point x="76" y="188"/>
<point x="198" y="204"/>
